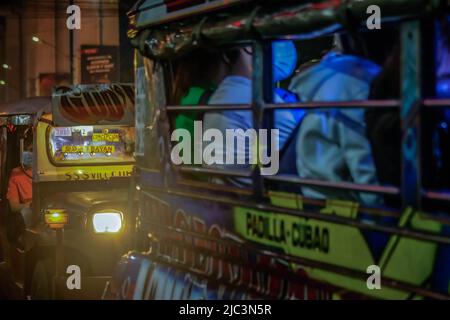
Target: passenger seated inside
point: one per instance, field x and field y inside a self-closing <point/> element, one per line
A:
<point x="20" y="190"/>
<point x="196" y="79"/>
<point x="331" y="144"/>
<point x="236" y="88"/>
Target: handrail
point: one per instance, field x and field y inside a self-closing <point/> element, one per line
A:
<point x="336" y="104"/>
<point x="376" y="189"/>
<point x="388" y="190"/>
<point x="238" y="173"/>
<point x="212" y="171"/>
<point x="436" y="195"/>
<point x="301" y="105"/>
<point x="211" y="107"/>
<point x="363" y="104"/>
<point x="404" y="232"/>
<point x="436" y="103"/>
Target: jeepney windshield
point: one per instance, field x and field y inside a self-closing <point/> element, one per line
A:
<point x="91" y="144"/>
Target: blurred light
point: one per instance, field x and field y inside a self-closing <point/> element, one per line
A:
<point x="56" y="218"/>
<point x="107" y="222"/>
<point x="35" y="39"/>
<point x="2" y="82"/>
<point x="6" y="66"/>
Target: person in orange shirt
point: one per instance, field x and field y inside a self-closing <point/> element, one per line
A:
<point x="20" y="190"/>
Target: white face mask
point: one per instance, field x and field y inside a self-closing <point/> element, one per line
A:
<point x="284" y="57"/>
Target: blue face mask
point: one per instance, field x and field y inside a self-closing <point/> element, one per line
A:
<point x="284" y="58"/>
<point x="443" y="88"/>
<point x="27" y="159"/>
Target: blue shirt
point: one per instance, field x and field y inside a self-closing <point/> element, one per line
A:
<point x="238" y="90"/>
<point x="331" y="144"/>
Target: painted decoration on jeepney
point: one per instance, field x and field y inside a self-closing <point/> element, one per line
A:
<point x="93" y="105"/>
<point x="402" y="259"/>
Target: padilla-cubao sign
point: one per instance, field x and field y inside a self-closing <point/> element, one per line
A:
<point x="99" y="104"/>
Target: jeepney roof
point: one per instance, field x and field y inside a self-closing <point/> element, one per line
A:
<point x="152" y="12"/>
<point x="29" y="106"/>
<point x="160" y="34"/>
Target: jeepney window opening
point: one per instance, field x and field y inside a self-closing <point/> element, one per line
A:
<point x="268" y="118"/>
<point x="202" y="70"/>
<point x="365" y="104"/>
<point x="90" y="145"/>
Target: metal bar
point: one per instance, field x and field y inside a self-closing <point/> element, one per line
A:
<point x="225" y="107"/>
<point x="212" y="171"/>
<point x="244" y="191"/>
<point x="215" y="187"/>
<point x="436" y="103"/>
<point x="384" y="212"/>
<point x="337" y="104"/>
<point x="259" y="89"/>
<point x="301" y="105"/>
<point x="437" y="195"/>
<point x="410" y="117"/>
<point x="404" y="232"/>
<point x="389" y="282"/>
<point x="335" y="185"/>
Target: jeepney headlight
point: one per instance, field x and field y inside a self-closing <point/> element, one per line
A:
<point x="107" y="222"/>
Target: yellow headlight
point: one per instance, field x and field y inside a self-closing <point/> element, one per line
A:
<point x="56" y="218"/>
<point x="107" y="222"/>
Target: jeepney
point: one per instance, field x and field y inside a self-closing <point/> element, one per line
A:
<point x="200" y="240"/>
<point x="83" y="142"/>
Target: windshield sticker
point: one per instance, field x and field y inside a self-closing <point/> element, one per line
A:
<point x="108" y="137"/>
<point x="88" y="149"/>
